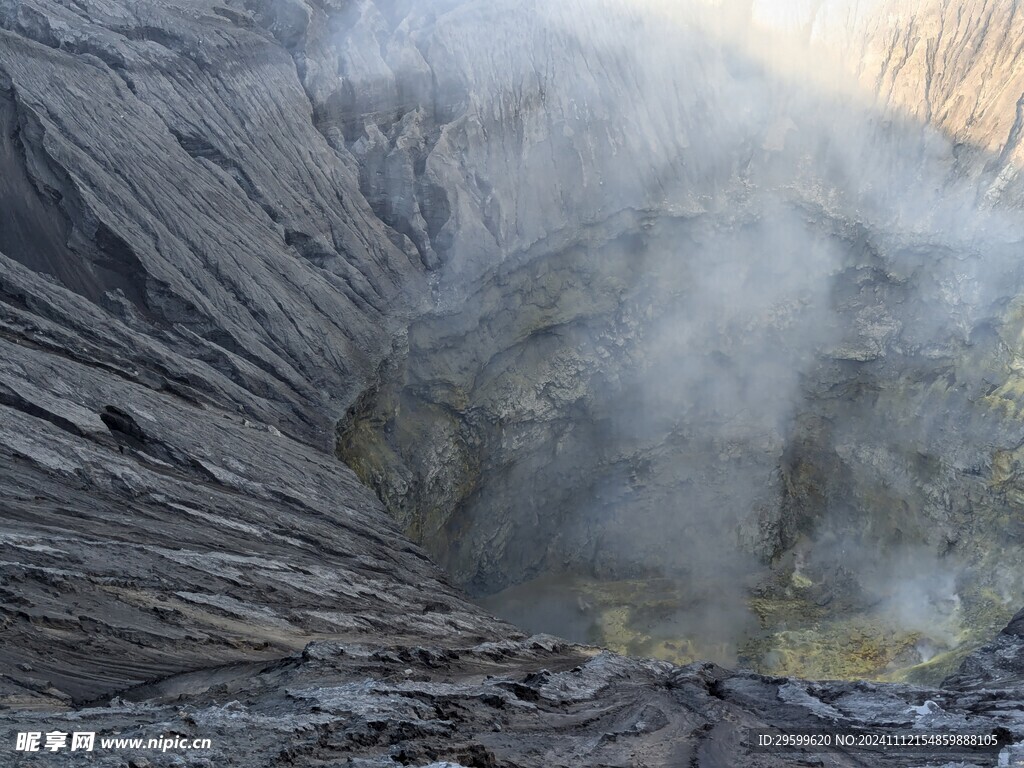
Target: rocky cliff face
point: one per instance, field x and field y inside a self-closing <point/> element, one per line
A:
<point x="948" y="65"/>
<point x="599" y="297"/>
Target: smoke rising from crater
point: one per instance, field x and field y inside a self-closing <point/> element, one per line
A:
<point x="693" y="302"/>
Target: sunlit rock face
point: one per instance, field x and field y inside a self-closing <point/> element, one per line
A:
<point x="952" y="65"/>
<point x="702" y="313"/>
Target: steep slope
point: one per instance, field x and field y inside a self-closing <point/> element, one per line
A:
<point x="193" y="290"/>
<point x="200" y="211"/>
<point x="950" y="65"/>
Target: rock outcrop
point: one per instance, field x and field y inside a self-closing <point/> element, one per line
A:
<point x="532" y="702"/>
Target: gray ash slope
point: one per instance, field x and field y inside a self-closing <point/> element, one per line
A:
<point x="198" y="279"/>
